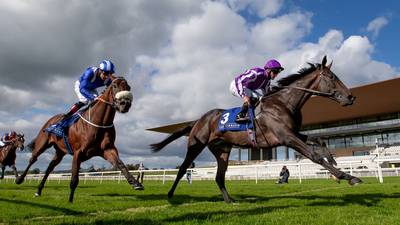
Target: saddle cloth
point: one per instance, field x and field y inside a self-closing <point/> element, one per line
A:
<point x="228" y="117"/>
<point x="60" y="130"/>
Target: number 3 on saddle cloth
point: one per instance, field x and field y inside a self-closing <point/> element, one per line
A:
<point x="227" y="123"/>
<point x="60" y="129"/>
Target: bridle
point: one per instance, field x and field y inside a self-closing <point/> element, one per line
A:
<point x="314" y="92"/>
<point x="100" y="99"/>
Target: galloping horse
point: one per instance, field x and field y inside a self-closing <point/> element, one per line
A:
<point x="278" y="123"/>
<point x="92" y="135"/>
<point x="8" y="154"/>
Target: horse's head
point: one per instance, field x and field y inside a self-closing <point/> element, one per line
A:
<point x="122" y="96"/>
<point x="19" y="141"/>
<point x="330" y="83"/>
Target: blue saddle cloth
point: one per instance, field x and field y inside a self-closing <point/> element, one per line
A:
<point x="228" y="117"/>
<point x="60" y="130"/>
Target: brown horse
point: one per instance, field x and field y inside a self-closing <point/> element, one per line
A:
<point x="8" y="154"/>
<point x="278" y="123"/>
<point x="92" y="135"/>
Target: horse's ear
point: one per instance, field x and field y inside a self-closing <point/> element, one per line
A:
<point x="330" y="65"/>
<point x="323" y="62"/>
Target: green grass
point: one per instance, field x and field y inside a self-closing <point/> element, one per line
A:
<point x="312" y="202"/>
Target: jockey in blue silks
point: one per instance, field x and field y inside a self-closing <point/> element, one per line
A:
<point x="246" y="84"/>
<point x="7" y="137"/>
<point x="91" y="79"/>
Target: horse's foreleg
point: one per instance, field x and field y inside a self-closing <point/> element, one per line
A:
<point x="297" y="144"/>
<point x="15" y="170"/>
<point x="193" y="151"/>
<point x="222" y="156"/>
<point x="76" y="165"/>
<point x="111" y="156"/>
<point x="3" y="167"/>
<point x="56" y="160"/>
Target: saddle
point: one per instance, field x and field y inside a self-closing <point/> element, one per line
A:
<point x="227" y="122"/>
<point x="60" y="129"/>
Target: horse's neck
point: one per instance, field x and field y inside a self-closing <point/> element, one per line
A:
<point x="295" y="98"/>
<point x="102" y="113"/>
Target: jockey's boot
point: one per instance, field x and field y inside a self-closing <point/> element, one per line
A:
<point x="73" y="110"/>
<point x="242" y="117"/>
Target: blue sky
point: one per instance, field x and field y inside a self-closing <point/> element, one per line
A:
<point x="179" y="56"/>
<point x="352" y="17"/>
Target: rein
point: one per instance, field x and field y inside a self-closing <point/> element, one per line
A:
<point x="314" y="92"/>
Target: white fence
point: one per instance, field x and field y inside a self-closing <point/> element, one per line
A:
<point x="361" y="166"/>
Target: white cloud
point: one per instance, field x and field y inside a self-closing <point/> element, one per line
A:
<point x="376" y="25"/>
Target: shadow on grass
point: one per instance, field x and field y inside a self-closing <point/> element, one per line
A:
<point x="321" y="200"/>
<point x="44" y="206"/>
<point x="202" y="216"/>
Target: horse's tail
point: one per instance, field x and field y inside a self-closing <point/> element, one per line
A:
<point x="156" y="147"/>
<point x="31" y="145"/>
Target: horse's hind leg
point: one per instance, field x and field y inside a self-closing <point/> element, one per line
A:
<point x="194" y="150"/>
<point x="222" y="153"/>
<point x="56" y="160"/>
<point x="40" y="144"/>
<point x="111" y="155"/>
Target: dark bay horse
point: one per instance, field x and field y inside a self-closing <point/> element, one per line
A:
<point x="8" y="154"/>
<point x="92" y="135"/>
<point x="278" y="123"/>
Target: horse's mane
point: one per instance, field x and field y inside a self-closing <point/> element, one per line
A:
<point x="301" y="73"/>
<point x="293" y="77"/>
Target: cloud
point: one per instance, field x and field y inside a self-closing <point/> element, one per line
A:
<point x="261" y="8"/>
<point x="376" y="25"/>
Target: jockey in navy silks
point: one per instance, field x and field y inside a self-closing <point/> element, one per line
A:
<point x="246" y="84"/>
<point x="91" y="79"/>
<point x="7" y="137"/>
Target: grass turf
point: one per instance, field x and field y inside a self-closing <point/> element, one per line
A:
<point x="312" y="202"/>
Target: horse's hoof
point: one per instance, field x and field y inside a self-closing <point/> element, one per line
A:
<point x="229" y="201"/>
<point x="19" y="180"/>
<point x="138" y="187"/>
<point x="170" y="194"/>
<point x="337" y="180"/>
<point x="37" y="195"/>
<point x="355" y="181"/>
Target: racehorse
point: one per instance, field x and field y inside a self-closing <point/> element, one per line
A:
<point x="278" y="123"/>
<point x="8" y="154"/>
<point x="92" y="135"/>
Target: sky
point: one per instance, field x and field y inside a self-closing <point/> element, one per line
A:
<point x="179" y="56"/>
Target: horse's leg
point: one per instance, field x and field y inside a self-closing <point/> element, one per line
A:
<point x="222" y="153"/>
<point x="111" y="155"/>
<point x="3" y="167"/>
<point x="15" y="170"/>
<point x="76" y="165"/>
<point x="294" y="142"/>
<point x="56" y="160"/>
<point x="194" y="150"/>
<point x="40" y="145"/>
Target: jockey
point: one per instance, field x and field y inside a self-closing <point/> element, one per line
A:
<point x="91" y="79"/>
<point x="7" y="137"/>
<point x="246" y="84"/>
